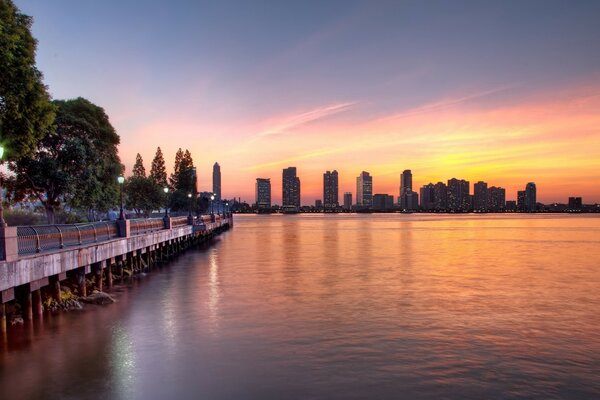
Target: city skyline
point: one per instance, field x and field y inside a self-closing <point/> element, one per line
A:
<point x="446" y="102"/>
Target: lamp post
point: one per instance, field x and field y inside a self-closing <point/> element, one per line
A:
<point x="190" y="205"/>
<point x="2" y="221"/>
<point x="121" y="181"/>
<point x="226" y="207"/>
<point x="212" y="198"/>
<point x="166" y="190"/>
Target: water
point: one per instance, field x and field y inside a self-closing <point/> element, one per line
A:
<point x="339" y="307"/>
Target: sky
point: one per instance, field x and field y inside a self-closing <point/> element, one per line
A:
<point x="504" y="92"/>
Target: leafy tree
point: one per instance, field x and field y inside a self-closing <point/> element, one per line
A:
<point x="173" y="180"/>
<point x="183" y="181"/>
<point x="138" y="167"/>
<point x="143" y="195"/>
<point x="26" y="112"/>
<point x="158" y="172"/>
<point x="76" y="163"/>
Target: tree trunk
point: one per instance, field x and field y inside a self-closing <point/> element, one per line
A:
<point x="50" y="214"/>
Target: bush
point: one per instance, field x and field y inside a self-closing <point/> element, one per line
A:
<point x="19" y="217"/>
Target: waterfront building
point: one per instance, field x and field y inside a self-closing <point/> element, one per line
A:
<point x="480" y="197"/>
<point x="290" y="189"/>
<point x="511" y="206"/>
<point x="575" y="204"/>
<point x="383" y="202"/>
<point x="263" y="193"/>
<point x="319" y="205"/>
<point x="217" y="181"/>
<point x="496" y="199"/>
<point x="364" y="190"/>
<point x="458" y="195"/>
<point x="330" y="190"/>
<point x="521" y="201"/>
<point x="530" y="197"/>
<point x="428" y="197"/>
<point x="405" y="188"/>
<point x="440" y="196"/>
<point x="348" y="201"/>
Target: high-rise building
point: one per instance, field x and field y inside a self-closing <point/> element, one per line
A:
<point x="412" y="201"/>
<point x="511" y="206"/>
<point x="319" y="204"/>
<point x="348" y="201"/>
<point x="217" y="181"/>
<point x="458" y="195"/>
<point x="330" y="190"/>
<point x="405" y="188"/>
<point x="496" y="199"/>
<point x="480" y="197"/>
<point x="521" y="201"/>
<point x="428" y="197"/>
<point x="364" y="190"/>
<point x="263" y="193"/>
<point x="383" y="202"/>
<point x="440" y="196"/>
<point x="530" y="197"/>
<point x="575" y="204"/>
<point x="290" y="188"/>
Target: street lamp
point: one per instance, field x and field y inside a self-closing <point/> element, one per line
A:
<point x="226" y="206"/>
<point x="121" y="181"/>
<point x="2" y="221"/>
<point x="212" y="198"/>
<point x="166" y="189"/>
<point x="190" y="205"/>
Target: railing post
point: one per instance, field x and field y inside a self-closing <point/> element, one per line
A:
<point x="95" y="234"/>
<point x="78" y="234"/>
<point x="9" y="245"/>
<point x="124" y="226"/>
<point x="168" y="222"/>
<point x="38" y="243"/>
<point x="61" y="242"/>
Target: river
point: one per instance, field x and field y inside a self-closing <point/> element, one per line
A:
<point x="381" y="306"/>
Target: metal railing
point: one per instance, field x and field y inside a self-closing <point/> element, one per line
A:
<point x="145" y="225"/>
<point x="35" y="239"/>
<point x="177" y="222"/>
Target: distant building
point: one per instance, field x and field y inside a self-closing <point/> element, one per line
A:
<point x="521" y="201"/>
<point x="458" y="195"/>
<point x="428" y="197"/>
<point x="217" y="181"/>
<point x="496" y="199"/>
<point x="364" y="190"/>
<point x="290" y="188"/>
<point x="348" y="201"/>
<point x="383" y="202"/>
<point x="405" y="188"/>
<point x="480" y="197"/>
<point x="575" y="204"/>
<point x="440" y="196"/>
<point x="263" y="193"/>
<point x="511" y="206"/>
<point x="330" y="190"/>
<point x="318" y="205"/>
<point x="530" y="197"/>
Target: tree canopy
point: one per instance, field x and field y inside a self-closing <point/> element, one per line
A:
<point x="158" y="172"/>
<point x="138" y="167"/>
<point x="26" y="112"/>
<point x="76" y="163"/>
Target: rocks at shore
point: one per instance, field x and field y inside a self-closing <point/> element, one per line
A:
<point x="98" y="298"/>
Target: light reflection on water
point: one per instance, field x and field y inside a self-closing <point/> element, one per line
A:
<point x="339" y="306"/>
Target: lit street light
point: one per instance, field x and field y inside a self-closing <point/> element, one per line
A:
<point x="2" y="221"/>
<point x="166" y="189"/>
<point x="190" y="205"/>
<point x="212" y="198"/>
<point x="121" y="181"/>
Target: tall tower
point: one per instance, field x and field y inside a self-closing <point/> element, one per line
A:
<point x="217" y="181"/>
<point x="405" y="188"/>
<point x="530" y="197"/>
<point x="480" y="200"/>
<point x="263" y="193"/>
<point x="364" y="189"/>
<point x="330" y="190"/>
<point x="290" y="188"/>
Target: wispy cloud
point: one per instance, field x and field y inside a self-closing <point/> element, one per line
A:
<point x="294" y="121"/>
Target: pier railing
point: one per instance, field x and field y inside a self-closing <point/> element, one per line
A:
<point x="35" y="239"/>
<point x="146" y="225"/>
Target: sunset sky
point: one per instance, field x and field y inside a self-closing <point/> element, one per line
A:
<point x="506" y="92"/>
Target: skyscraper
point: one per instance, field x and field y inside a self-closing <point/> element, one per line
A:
<point x="428" y="197"/>
<point x="530" y="197"/>
<point x="458" y="195"/>
<point x="383" y="202"/>
<point x="348" y="201"/>
<point x="440" y="196"/>
<point x="217" y="181"/>
<point x="263" y="193"/>
<point x="405" y="188"/>
<point x="290" y="188"/>
<point x="330" y="190"/>
<point x="364" y="190"/>
<point x="480" y="200"/>
<point x="496" y="199"/>
<point x="521" y="201"/>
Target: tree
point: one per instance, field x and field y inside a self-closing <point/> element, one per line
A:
<point x="143" y="195"/>
<point x="76" y="163"/>
<point x="176" y="169"/>
<point x="158" y="172"/>
<point x="138" y="167"/>
<point x="26" y="112"/>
